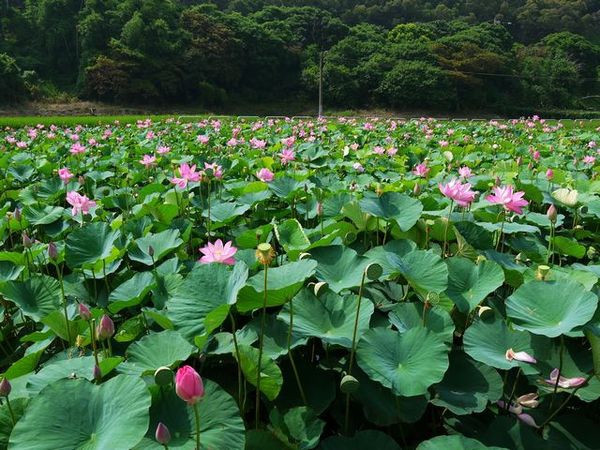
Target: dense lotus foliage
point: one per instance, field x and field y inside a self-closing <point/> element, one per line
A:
<point x="296" y="284"/>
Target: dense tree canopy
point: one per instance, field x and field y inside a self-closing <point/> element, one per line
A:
<point x="449" y="54"/>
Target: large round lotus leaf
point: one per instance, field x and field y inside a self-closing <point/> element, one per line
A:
<point x="275" y="337"/>
<point x="90" y="244"/>
<point x="201" y="302"/>
<point x="162" y="243"/>
<point x="300" y="426"/>
<point x="456" y="442"/>
<point x="131" y="292"/>
<point x="383" y="408"/>
<point x="551" y="308"/>
<point x="425" y="271"/>
<point x="37" y="296"/>
<point x="329" y="317"/>
<point x="488" y="339"/>
<point x="360" y="441"/>
<point x="76" y="414"/>
<point x="18" y="406"/>
<point x="469" y="283"/>
<point x="282" y="284"/>
<point x="408" y="363"/>
<point x="156" y="350"/>
<point x="340" y="267"/>
<point x="42" y="215"/>
<point x="221" y="426"/>
<point x="82" y="367"/>
<point x="509" y="432"/>
<point x="393" y="206"/>
<point x="407" y="315"/>
<point x="380" y="254"/>
<point x="467" y="386"/>
<point x="271" y="378"/>
<point x="9" y="271"/>
<point x="291" y="236"/>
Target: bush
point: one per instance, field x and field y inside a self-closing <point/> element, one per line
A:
<point x="12" y="86"/>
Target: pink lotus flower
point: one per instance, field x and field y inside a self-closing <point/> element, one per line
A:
<point x="288" y="142"/>
<point x="358" y="167"/>
<point x="392" y="151"/>
<point x="163" y="149"/>
<point x="465" y="172"/>
<point x="187" y="173"/>
<point x="65" y="175"/>
<point x="77" y="148"/>
<point x="258" y="143"/>
<point x="287" y="156"/>
<point x="203" y="139"/>
<point x="217" y="170"/>
<point x="21" y="144"/>
<point x="188" y="385"/>
<point x="378" y="150"/>
<point x="536" y="155"/>
<point x="218" y="253"/>
<point x="421" y="170"/>
<point x="461" y="193"/>
<point x="148" y="161"/>
<point x="511" y="201"/>
<point x="265" y="175"/>
<point x="81" y="204"/>
<point x="589" y="160"/>
<point x="519" y="356"/>
<point x="564" y="382"/>
<point x="443" y="143"/>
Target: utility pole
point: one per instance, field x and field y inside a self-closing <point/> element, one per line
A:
<point x="320" y="84"/>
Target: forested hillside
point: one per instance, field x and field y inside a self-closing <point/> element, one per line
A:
<point x="450" y="55"/>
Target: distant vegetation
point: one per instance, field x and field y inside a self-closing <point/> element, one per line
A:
<point x="444" y="55"/>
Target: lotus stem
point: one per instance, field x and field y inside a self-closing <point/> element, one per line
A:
<point x="64" y="303"/>
<point x="93" y="338"/>
<point x="353" y="349"/>
<point x="237" y="355"/>
<point x="446" y="229"/>
<point x="197" y="417"/>
<point x="567" y="400"/>
<point x="560" y="369"/>
<point x="289" y="348"/>
<point x="10" y="410"/>
<point x="260" y="346"/>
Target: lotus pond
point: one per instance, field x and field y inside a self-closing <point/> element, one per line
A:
<point x="268" y="284"/>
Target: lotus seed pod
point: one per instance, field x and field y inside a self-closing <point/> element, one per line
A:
<point x="373" y="271"/>
<point x="349" y="384"/>
<point x="542" y="272"/>
<point x="163" y="376"/>
<point x="265" y="253"/>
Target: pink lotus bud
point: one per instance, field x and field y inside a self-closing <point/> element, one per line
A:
<point x="84" y="312"/>
<point x="552" y="213"/>
<point x="5" y="387"/>
<point x="519" y="161"/>
<point x="27" y="242"/>
<point x="162" y="434"/>
<point x="106" y="328"/>
<point x="52" y="251"/>
<point x="519" y="356"/>
<point x="549" y="174"/>
<point x="97" y="373"/>
<point x="17" y="214"/>
<point x="188" y="385"/>
<point x="417" y="189"/>
<point x="527" y="419"/>
<point x="151" y="250"/>
<point x="512" y="408"/>
<point x="319" y="208"/>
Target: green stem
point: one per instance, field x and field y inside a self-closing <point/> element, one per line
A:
<point x="446" y="229"/>
<point x="289" y="348"/>
<point x="93" y="338"/>
<point x="208" y="218"/>
<point x="64" y="303"/>
<point x="237" y="355"/>
<point x="260" y="347"/>
<point x="10" y="410"/>
<point x="353" y="350"/>
<point x="197" y="416"/>
<point x="563" y="404"/>
<point x="550" y="249"/>
<point x="560" y="368"/>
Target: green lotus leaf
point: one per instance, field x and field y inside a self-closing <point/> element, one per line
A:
<point x="131" y="292"/>
<point x="425" y="271"/>
<point x="37" y="296"/>
<point x="393" y="206"/>
<point x="329" y="317"/>
<point x="340" y="267"/>
<point x="455" y="442"/>
<point x="408" y="363"/>
<point x="360" y="441"/>
<point x="405" y="316"/>
<point x="271" y="379"/>
<point x="551" y="308"/>
<point x="114" y="415"/>
<point x="42" y="215"/>
<point x="162" y="243"/>
<point x="90" y="244"/>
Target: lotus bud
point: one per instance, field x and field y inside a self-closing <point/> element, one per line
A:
<point x="591" y="252"/>
<point x="17" y="214"/>
<point x="106" y="328"/>
<point x="5" y="387"/>
<point x="542" y="272"/>
<point x="349" y="384"/>
<point x="27" y="242"/>
<point x="519" y="161"/>
<point x="188" y="385"/>
<point x="52" y="251"/>
<point x="379" y="190"/>
<point x="84" y="312"/>
<point x="530" y="166"/>
<point x="549" y="174"/>
<point x="81" y="180"/>
<point x="265" y="253"/>
<point x="417" y="189"/>
<point x="151" y="251"/>
<point x="552" y="213"/>
<point x="162" y="434"/>
<point x="97" y="373"/>
<point x="319" y="208"/>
